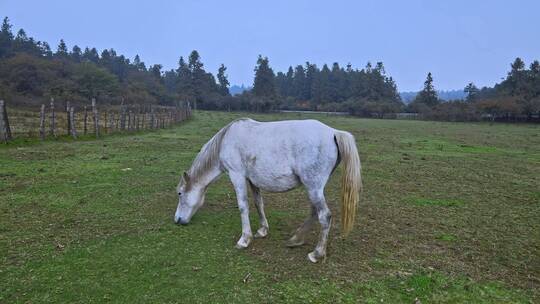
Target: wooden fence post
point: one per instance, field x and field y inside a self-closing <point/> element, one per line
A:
<point x="68" y="109"/>
<point x="73" y="129"/>
<point x="5" y="129"/>
<point x="163" y="118"/>
<point x="137" y="119"/>
<point x="143" y="117"/>
<point x="152" y="117"/>
<point x="122" y="117"/>
<point x="85" y="122"/>
<point x="42" y="122"/>
<point x="96" y="117"/>
<point x="106" y="121"/>
<point x="129" y="120"/>
<point x="111" y="123"/>
<point x="53" y="119"/>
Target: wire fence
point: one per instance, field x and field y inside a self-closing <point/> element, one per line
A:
<point x="62" y="119"/>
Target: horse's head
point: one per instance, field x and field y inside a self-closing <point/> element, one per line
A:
<point x="190" y="199"/>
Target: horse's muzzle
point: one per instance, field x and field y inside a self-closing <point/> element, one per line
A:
<point x="180" y="221"/>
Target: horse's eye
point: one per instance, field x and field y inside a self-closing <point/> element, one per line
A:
<point x="179" y="193"/>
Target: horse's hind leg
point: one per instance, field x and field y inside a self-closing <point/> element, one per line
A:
<point x="259" y="204"/>
<point x="325" y="219"/>
<point x="298" y="237"/>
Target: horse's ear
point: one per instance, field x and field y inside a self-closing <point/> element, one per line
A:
<point x="186" y="177"/>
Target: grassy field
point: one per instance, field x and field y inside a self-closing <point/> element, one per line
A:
<point x="450" y="213"/>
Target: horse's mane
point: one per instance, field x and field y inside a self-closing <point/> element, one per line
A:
<point x="209" y="154"/>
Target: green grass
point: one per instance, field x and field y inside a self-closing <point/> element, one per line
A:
<point x="449" y="213"/>
<point x="436" y="202"/>
<point x="446" y="237"/>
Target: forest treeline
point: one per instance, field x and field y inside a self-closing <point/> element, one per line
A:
<point x="32" y="72"/>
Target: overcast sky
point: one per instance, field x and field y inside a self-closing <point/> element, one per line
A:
<point x="458" y="41"/>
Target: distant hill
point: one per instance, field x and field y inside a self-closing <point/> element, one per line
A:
<point x="236" y="89"/>
<point x="444" y="95"/>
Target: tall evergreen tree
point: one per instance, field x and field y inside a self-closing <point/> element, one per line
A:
<point x="299" y="82"/>
<point x="23" y="43"/>
<point x="472" y="91"/>
<point x="62" y="50"/>
<point x="516" y="80"/>
<point x="155" y="70"/>
<point x="184" y="85"/>
<point x="428" y="95"/>
<point x="76" y="53"/>
<point x="91" y="55"/>
<point x="6" y="38"/>
<point x="288" y="85"/>
<point x="139" y="65"/>
<point x="223" y="81"/>
<point x="199" y="79"/>
<point x="263" y="84"/>
<point x="311" y="75"/>
<point x="46" y="49"/>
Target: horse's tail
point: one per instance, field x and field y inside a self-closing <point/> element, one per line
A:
<point x="351" y="182"/>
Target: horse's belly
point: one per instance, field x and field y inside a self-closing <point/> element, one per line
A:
<point x="272" y="182"/>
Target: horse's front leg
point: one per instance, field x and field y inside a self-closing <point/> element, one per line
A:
<point x="240" y="187"/>
<point x="259" y="204"/>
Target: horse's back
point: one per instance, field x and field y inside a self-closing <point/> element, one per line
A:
<point x="278" y="155"/>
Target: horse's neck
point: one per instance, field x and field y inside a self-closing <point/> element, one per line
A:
<point x="210" y="175"/>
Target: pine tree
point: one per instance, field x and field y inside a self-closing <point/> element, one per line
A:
<point x="223" y="81"/>
<point x="288" y="85"/>
<point x="516" y="80"/>
<point x="324" y="95"/>
<point x="155" y="70"/>
<point x="184" y="85"/>
<point x="6" y="29"/>
<point x="46" y="49"/>
<point x="76" y="53"/>
<point x="263" y="84"/>
<point x="6" y="38"/>
<point x="199" y="80"/>
<point x="472" y="92"/>
<point x="62" y="50"/>
<point x="428" y="95"/>
<point x="91" y="55"/>
<point x="21" y="43"/>
<point x="299" y="80"/>
<point x="311" y="75"/>
<point x="138" y="63"/>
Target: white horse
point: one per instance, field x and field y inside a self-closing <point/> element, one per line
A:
<point x="276" y="157"/>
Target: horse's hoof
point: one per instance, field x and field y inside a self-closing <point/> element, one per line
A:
<point x="314" y="257"/>
<point x="261" y="233"/>
<point x="243" y="243"/>
<point x="294" y="242"/>
<point x="240" y="246"/>
<point x="311" y="257"/>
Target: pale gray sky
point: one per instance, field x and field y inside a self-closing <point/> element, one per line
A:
<point x="458" y="41"/>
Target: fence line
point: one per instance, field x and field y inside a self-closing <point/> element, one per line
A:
<point x="103" y="120"/>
